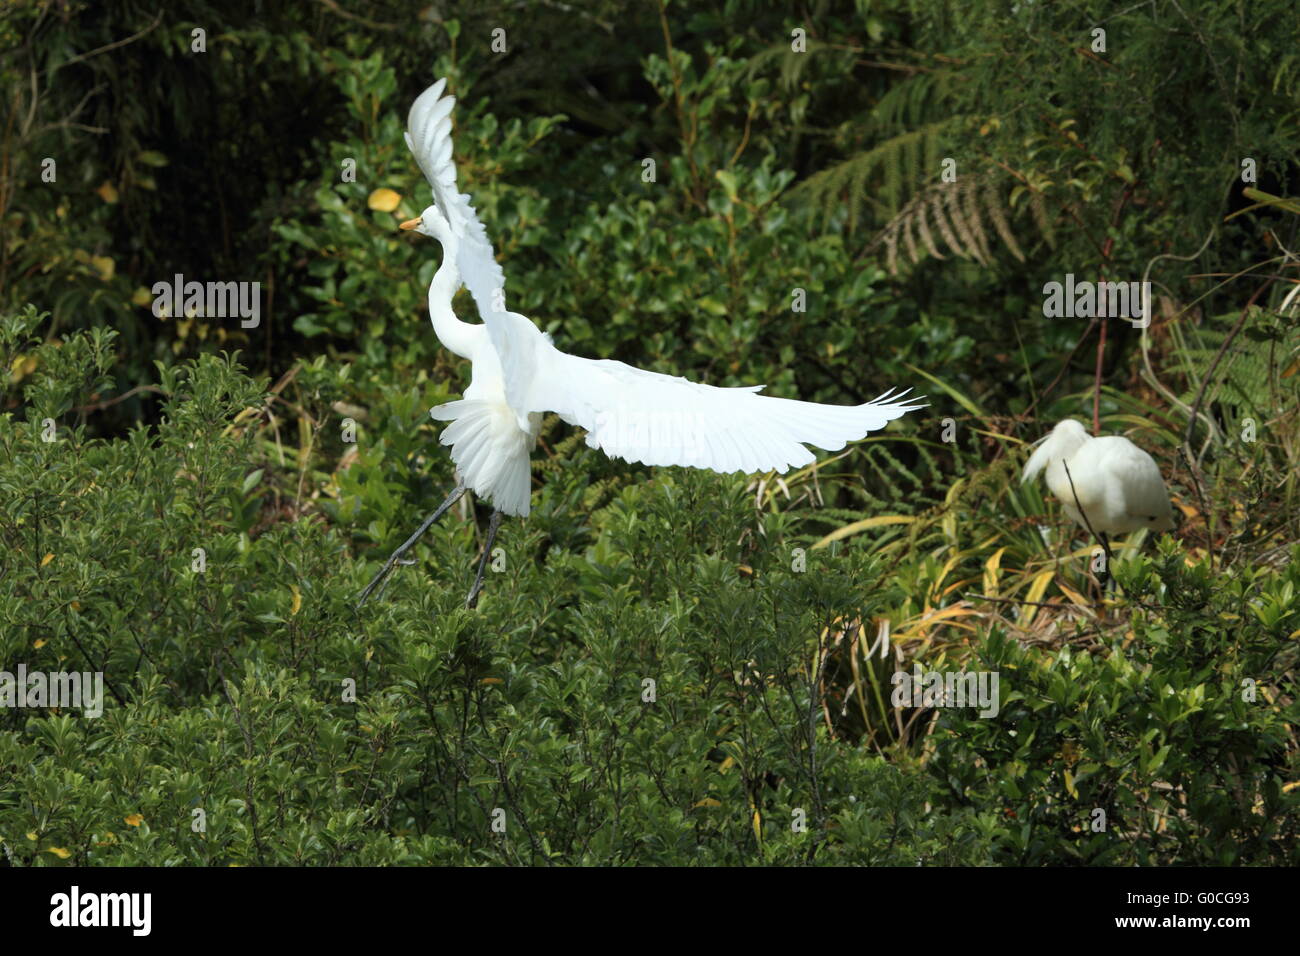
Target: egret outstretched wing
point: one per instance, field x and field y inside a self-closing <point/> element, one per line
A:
<point x="660" y="419"/>
<point x="428" y="134"/>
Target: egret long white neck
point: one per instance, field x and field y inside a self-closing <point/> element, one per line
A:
<point x="454" y="334"/>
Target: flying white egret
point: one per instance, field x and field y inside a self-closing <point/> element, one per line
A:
<point x="517" y="374"/>
<point x="1108" y="485"/>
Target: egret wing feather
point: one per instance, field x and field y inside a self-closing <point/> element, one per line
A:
<point x="658" y="419"/>
<point x="429" y="138"/>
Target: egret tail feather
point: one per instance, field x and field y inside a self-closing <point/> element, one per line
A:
<point x="490" y="450"/>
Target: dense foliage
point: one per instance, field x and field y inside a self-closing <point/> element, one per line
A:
<point x="666" y="667"/>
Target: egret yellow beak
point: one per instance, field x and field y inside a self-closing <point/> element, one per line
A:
<point x="410" y="224"/>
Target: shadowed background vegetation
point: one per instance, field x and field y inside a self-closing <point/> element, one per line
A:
<point x="666" y="667"/>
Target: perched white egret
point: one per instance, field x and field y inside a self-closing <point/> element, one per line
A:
<point x="517" y="374"/>
<point x="1109" y="481"/>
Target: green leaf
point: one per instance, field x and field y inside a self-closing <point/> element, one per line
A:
<point x="251" y="481"/>
<point x="712" y="305"/>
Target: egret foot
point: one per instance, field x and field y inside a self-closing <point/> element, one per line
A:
<point x="493" y="524"/>
<point x="396" y="557"/>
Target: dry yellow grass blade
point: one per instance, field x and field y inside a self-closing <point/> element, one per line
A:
<point x="1035" y="595"/>
<point x="956" y="586"/>
<point x="251" y="411"/>
<point x="855" y="667"/>
<point x="1075" y="597"/>
<point x="991" y="569"/>
<point x="866" y="524"/>
<point x="936" y="591"/>
<point x="930" y="617"/>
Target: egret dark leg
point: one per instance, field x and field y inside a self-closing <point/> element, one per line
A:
<point x="493" y="523"/>
<point x="396" y="557"/>
<point x="1104" y="579"/>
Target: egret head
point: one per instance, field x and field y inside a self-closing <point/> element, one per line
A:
<point x="431" y="222"/>
<point x="1061" y="442"/>
<point x="1069" y="432"/>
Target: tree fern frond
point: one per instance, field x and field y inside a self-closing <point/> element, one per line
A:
<point x="909" y="237"/>
<point x="1038" y="207"/>
<point x="923" y="227"/>
<point x="970" y="207"/>
<point x="935" y="201"/>
<point x="993" y="203"/>
<point x="894" y="163"/>
<point x="960" y="212"/>
<point x="952" y="205"/>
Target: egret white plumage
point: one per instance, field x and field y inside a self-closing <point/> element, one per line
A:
<point x="1107" y="484"/>
<point x="517" y="374"/>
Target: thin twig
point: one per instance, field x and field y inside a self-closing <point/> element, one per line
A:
<point x="373" y="24"/>
<point x="112" y="46"/>
<point x="100" y="406"/>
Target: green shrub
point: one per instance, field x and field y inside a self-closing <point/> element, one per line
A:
<point x="1181" y="731"/>
<point x="228" y="686"/>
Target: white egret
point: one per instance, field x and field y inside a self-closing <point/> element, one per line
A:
<point x="1108" y="485"/>
<point x="517" y="374"/>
